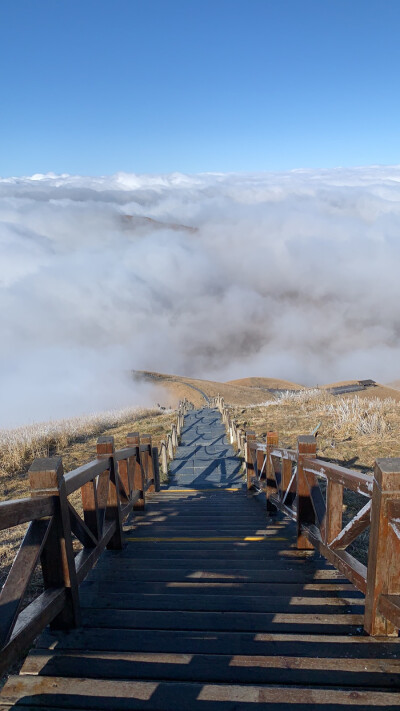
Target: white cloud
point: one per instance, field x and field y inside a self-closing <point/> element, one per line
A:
<point x="293" y="275"/>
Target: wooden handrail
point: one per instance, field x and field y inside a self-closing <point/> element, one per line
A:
<point x="112" y="485"/>
<point x="290" y="479"/>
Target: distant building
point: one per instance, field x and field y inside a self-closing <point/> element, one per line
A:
<point x="366" y="383"/>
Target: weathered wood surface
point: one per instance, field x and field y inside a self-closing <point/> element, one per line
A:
<point x="210" y="606"/>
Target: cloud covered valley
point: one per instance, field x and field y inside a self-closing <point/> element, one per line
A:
<point x="293" y="275"/>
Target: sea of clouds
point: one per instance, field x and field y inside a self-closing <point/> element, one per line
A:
<point x="292" y="275"/>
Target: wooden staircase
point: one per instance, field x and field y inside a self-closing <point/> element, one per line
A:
<point x="211" y="607"/>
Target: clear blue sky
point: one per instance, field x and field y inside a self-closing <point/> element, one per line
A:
<point x="98" y="86"/>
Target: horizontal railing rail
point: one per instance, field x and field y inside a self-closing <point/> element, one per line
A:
<point x="67" y="543"/>
<point x="310" y="491"/>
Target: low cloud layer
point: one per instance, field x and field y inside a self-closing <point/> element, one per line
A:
<point x="291" y="275"/>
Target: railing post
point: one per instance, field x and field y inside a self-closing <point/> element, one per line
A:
<point x="105" y="449"/>
<point x="170" y="447"/>
<point x="272" y="442"/>
<point x="334" y="510"/>
<point x="133" y="440"/>
<point x="260" y="462"/>
<point x="287" y="471"/>
<point x="250" y="438"/>
<point x="146" y="441"/>
<point x="306" y="449"/>
<point x="46" y="478"/>
<point x="383" y="572"/>
<point x="90" y="508"/>
<point x="174" y="435"/>
<point x="164" y="458"/>
<point x="156" y="469"/>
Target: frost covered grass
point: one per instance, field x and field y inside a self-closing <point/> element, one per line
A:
<point x="75" y="440"/>
<point x="366" y="417"/>
<point x="357" y="414"/>
<point x="353" y="430"/>
<point x="19" y="446"/>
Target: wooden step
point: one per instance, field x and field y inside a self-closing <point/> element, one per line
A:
<point x="219" y="668"/>
<point x="55" y="692"/>
<point x="115" y="596"/>
<point x="262" y="622"/>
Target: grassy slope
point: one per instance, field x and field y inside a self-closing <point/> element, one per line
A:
<point x="14" y="484"/>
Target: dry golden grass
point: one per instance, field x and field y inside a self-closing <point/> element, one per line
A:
<point x="240" y="392"/>
<point x="266" y="383"/>
<point x="74" y="440"/>
<point x="353" y="431"/>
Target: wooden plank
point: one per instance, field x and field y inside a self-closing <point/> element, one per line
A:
<point x="283" y="576"/>
<point x="280" y="566"/>
<point x="133" y="438"/>
<point x="249" y="460"/>
<point x="224" y="587"/>
<point x="350" y="479"/>
<point x="179" y="696"/>
<point x="283" y="453"/>
<point x="357" y="525"/>
<point x="90" y="508"/>
<point x="271" y="489"/>
<point x="105" y="448"/>
<point x="334" y="510"/>
<point x="271" y="622"/>
<point x="220" y="668"/>
<point x="80" y="530"/>
<point x="14" y="513"/>
<point x="211" y="640"/>
<point x="355" y="571"/>
<point x="125" y="452"/>
<point x="31" y="621"/>
<point x="105" y="596"/>
<point x="76" y="478"/>
<point x="389" y="607"/>
<point x="305" y="511"/>
<point x="57" y="557"/>
<point x="197" y="555"/>
<point x="86" y="559"/>
<point x="102" y="489"/>
<point x="384" y="547"/>
<point x="12" y="593"/>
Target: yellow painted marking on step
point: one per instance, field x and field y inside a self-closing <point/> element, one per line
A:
<point x="204" y="539"/>
<point x="163" y="491"/>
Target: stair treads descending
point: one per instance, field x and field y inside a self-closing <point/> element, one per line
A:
<point x="211" y="607"/>
<point x="205" y="458"/>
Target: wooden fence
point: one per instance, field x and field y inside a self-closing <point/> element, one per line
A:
<point x="111" y="486"/>
<point x="310" y="491"/>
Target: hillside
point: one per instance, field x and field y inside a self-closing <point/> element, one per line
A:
<point x="196" y="390"/>
<point x="266" y="383"/>
<point x="246" y="391"/>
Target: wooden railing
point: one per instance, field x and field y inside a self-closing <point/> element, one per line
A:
<point x="169" y="445"/>
<point x="111" y="486"/>
<point x="310" y="491"/>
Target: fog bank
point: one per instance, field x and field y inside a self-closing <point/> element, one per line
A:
<point x="291" y="275"/>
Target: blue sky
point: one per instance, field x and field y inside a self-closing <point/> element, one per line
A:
<point x="99" y="86"/>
